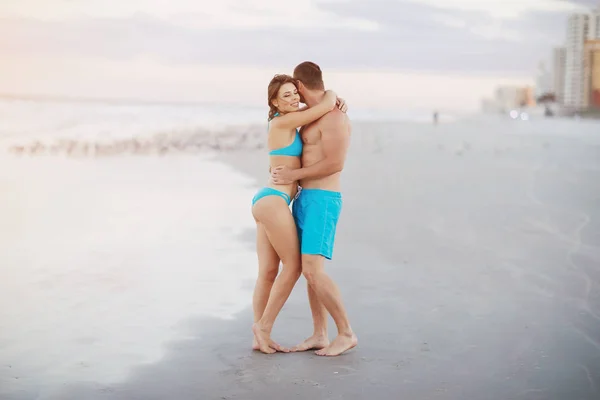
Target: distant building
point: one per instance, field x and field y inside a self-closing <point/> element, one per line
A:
<point x="543" y="81"/>
<point x="594" y="28"/>
<point x="580" y="28"/>
<point x="506" y="98"/>
<point x="513" y="97"/>
<point x="591" y="73"/>
<point x="577" y="33"/>
<point x="558" y="73"/>
<point x="527" y="96"/>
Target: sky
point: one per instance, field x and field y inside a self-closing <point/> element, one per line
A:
<point x="444" y="54"/>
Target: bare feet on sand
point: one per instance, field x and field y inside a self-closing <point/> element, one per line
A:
<point x="314" y="342"/>
<point x="255" y="344"/>
<point x="265" y="344"/>
<point x="339" y="345"/>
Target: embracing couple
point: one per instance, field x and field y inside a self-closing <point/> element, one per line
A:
<point x="306" y="167"/>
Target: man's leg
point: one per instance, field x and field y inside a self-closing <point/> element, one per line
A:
<point x="317" y="216"/>
<point x="319" y="313"/>
<point x="319" y="338"/>
<point x="329" y="295"/>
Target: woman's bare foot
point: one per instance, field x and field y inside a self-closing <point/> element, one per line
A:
<point x="340" y="344"/>
<point x="265" y="343"/>
<point x="313" y="342"/>
<point x="255" y="345"/>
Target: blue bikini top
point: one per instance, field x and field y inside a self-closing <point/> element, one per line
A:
<point x="293" y="150"/>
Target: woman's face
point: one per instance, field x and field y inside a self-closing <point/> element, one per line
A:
<point x="287" y="99"/>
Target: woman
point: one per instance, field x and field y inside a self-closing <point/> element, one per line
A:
<point x="276" y="236"/>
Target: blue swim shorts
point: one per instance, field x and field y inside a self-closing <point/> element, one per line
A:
<point x="316" y="213"/>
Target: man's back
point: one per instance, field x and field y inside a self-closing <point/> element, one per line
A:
<point x="326" y="138"/>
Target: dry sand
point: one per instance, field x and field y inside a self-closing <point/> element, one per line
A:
<point x="468" y="256"/>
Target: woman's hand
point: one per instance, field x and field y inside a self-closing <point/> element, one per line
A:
<point x="341" y="104"/>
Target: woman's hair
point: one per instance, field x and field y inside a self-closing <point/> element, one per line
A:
<point x="274" y="86"/>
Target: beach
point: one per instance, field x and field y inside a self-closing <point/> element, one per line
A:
<point x="467" y="254"/>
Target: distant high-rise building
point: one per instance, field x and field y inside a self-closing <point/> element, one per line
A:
<point x="594" y="29"/>
<point x="558" y="73"/>
<point x="591" y="74"/>
<point x="580" y="27"/>
<point x="577" y="32"/>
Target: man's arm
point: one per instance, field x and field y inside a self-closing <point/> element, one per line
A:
<point x="334" y="142"/>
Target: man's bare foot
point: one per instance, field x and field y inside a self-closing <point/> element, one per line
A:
<point x="340" y="344"/>
<point x="313" y="342"/>
<point x="265" y="343"/>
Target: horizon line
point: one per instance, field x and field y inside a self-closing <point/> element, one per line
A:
<point x="110" y="100"/>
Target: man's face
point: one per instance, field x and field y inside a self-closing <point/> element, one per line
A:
<point x="301" y="89"/>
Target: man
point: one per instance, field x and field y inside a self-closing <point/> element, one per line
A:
<point x="317" y="209"/>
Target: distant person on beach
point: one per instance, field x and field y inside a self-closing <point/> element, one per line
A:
<point x="276" y="235"/>
<point x="317" y="208"/>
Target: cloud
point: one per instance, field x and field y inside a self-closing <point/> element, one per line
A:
<point x="492" y="30"/>
<point x="450" y="36"/>
<point x="585" y="4"/>
<point x="493" y="19"/>
<point x="196" y="14"/>
<point x="142" y="78"/>
<point x="154" y="48"/>
<point x="413" y="45"/>
<point x="503" y="9"/>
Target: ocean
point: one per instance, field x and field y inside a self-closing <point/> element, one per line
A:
<point x="36" y="119"/>
<point x="98" y="256"/>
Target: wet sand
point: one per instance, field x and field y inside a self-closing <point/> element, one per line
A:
<point x="468" y="256"/>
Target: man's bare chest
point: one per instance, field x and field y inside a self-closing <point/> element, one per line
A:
<point x="311" y="134"/>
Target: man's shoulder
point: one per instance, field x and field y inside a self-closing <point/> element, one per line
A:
<point x="335" y="118"/>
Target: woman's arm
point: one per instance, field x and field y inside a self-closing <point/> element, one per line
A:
<point x="298" y="118"/>
<point x="340" y="103"/>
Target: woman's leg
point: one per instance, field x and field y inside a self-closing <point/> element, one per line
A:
<point x="274" y="215"/>
<point x="268" y="267"/>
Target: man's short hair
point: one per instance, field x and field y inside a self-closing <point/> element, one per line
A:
<point x="310" y="75"/>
